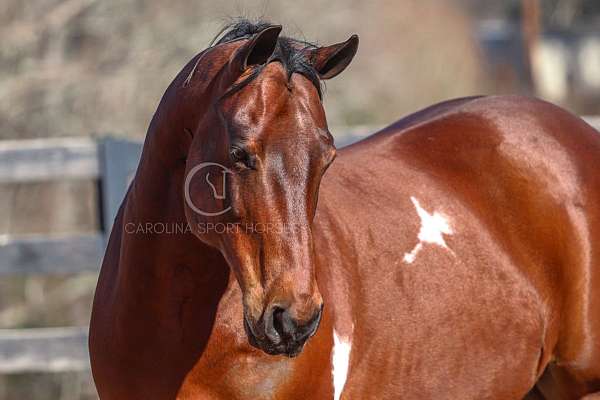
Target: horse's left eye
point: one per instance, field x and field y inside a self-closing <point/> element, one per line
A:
<point x="241" y="157"/>
<point x="238" y="154"/>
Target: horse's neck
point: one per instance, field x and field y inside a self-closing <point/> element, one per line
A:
<point x="173" y="263"/>
<point x="176" y="119"/>
<point x="156" y="242"/>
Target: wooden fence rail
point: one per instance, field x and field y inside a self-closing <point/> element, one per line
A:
<point x="43" y="349"/>
<point x="111" y="163"/>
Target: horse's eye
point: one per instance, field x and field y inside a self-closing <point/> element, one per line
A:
<point x="237" y="154"/>
<point x="240" y="156"/>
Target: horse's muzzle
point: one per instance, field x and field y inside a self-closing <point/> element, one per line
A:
<point x="278" y="333"/>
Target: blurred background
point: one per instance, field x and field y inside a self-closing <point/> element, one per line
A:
<point x="91" y="68"/>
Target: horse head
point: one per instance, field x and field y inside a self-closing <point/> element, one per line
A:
<point x="253" y="171"/>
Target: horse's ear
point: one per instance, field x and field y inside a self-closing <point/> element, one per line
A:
<point x="329" y="61"/>
<point x="258" y="49"/>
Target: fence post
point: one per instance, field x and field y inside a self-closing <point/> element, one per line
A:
<point x="118" y="162"/>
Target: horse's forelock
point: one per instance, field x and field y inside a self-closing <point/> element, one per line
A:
<point x="290" y="52"/>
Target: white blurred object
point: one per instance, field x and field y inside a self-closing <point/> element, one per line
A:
<point x="550" y="69"/>
<point x="588" y="59"/>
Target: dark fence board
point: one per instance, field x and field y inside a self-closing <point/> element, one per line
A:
<point x="119" y="159"/>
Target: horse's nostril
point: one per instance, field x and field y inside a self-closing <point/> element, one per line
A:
<point x="281" y="326"/>
<point x="283" y="323"/>
<point x="274" y="324"/>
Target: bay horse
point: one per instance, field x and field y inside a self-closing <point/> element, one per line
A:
<point x="453" y="255"/>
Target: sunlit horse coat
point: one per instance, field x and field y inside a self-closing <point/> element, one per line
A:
<point x="457" y="252"/>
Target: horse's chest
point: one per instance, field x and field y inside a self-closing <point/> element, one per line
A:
<point x="230" y="368"/>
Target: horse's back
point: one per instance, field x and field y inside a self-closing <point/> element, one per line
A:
<point x="491" y="215"/>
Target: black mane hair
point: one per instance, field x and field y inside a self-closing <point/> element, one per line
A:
<point x="289" y="52"/>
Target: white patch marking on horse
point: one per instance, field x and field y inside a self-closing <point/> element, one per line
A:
<point x="340" y="363"/>
<point x="433" y="227"/>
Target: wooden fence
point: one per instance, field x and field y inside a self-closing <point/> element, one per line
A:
<point x="110" y="162"/>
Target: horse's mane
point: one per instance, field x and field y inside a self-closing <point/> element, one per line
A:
<point x="291" y="53"/>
